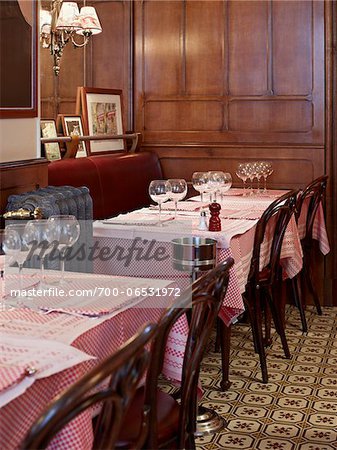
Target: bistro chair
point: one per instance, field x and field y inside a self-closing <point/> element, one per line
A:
<point x="122" y="373"/>
<point x="173" y="424"/>
<point x="313" y="194"/>
<point x="262" y="284"/>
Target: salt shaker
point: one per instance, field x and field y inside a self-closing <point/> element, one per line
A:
<point x="202" y="222"/>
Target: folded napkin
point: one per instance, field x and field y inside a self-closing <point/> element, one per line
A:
<point x="134" y="220"/>
<point x="11" y="375"/>
<point x="244" y="214"/>
<point x="182" y="206"/>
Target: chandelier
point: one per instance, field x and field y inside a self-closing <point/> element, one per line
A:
<point x="65" y="23"/>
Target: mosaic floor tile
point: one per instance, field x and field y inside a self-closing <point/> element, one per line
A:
<point x="297" y="409"/>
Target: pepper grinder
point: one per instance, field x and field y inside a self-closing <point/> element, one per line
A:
<point x="214" y="221"/>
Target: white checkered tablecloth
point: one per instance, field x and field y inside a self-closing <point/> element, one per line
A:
<point x="100" y="340"/>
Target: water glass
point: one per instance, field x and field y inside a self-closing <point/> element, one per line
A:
<point x="178" y="192"/>
<point x="67" y="229"/>
<point x="200" y="183"/>
<point x="45" y="234"/>
<point x="160" y="192"/>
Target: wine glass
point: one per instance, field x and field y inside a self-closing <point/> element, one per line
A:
<point x="160" y="192"/>
<point x="227" y="184"/>
<point x="45" y="234"/>
<point x="10" y="246"/>
<point x="241" y="172"/>
<point x="251" y="172"/>
<point x="67" y="229"/>
<point x="267" y="169"/>
<point x="17" y="244"/>
<point x="257" y="169"/>
<point x="199" y="181"/>
<point x="215" y="181"/>
<point x="178" y="192"/>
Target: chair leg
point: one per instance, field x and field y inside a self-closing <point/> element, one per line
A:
<point x="278" y="323"/>
<point x="308" y="279"/>
<point x="258" y="335"/>
<point x="217" y="345"/>
<point x="298" y="303"/>
<point x="225" y="339"/>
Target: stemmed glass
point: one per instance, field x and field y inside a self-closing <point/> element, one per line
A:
<point x="10" y="245"/>
<point x="199" y="181"/>
<point x="257" y="169"/>
<point x="160" y="192"/>
<point x="67" y="229"/>
<point x="16" y="244"/>
<point x="227" y="184"/>
<point x="178" y="192"/>
<point x="215" y="180"/>
<point x="45" y="234"/>
<point x="266" y="169"/>
<point x="242" y="173"/>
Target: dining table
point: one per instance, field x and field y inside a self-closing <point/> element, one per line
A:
<point x="239" y="215"/>
<point x="56" y="333"/>
<point x="49" y="342"/>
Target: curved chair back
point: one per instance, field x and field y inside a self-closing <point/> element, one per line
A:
<point x="122" y="373"/>
<point x="204" y="304"/>
<point x="315" y="191"/>
<point x="279" y="211"/>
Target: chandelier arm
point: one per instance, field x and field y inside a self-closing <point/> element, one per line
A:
<point x="86" y="37"/>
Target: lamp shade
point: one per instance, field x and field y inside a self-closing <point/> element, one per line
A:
<point x="45" y="21"/>
<point x="68" y="17"/>
<point x="88" y="21"/>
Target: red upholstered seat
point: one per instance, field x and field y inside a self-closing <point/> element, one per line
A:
<point x="117" y="183"/>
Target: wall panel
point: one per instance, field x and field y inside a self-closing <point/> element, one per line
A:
<point x="248" y="47"/>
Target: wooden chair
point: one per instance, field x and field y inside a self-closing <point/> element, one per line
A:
<point x="122" y="372"/>
<point x="314" y="194"/>
<point x="173" y="424"/>
<point x="262" y="288"/>
<point x="262" y="283"/>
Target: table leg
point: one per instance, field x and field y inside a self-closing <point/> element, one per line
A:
<point x="225" y="339"/>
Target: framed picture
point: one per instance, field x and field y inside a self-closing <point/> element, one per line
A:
<point x="48" y="130"/>
<point x="102" y="113"/>
<point x="72" y="125"/>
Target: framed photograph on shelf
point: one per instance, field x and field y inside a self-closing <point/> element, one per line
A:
<point x="72" y="125"/>
<point x="48" y="130"/>
<point x="102" y="113"/>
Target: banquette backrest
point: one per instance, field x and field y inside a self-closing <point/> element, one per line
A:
<point x="117" y="183"/>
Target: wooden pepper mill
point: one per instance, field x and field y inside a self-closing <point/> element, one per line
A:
<point x="214" y="221"/>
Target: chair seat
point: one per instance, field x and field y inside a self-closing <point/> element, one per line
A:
<point x="168" y="419"/>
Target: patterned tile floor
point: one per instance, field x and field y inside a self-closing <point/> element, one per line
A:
<point x="297" y="409"/>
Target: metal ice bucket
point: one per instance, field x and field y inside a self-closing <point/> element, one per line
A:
<point x="194" y="253"/>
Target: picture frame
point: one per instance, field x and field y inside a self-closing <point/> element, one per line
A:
<point x="70" y="122"/>
<point x="48" y="130"/>
<point x="102" y="113"/>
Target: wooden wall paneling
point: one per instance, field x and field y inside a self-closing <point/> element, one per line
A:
<point x="109" y="60"/>
<point x="331" y="148"/>
<point x="247" y="78"/>
<point x="204" y="41"/>
<point x="248" y="48"/>
<point x="21" y="176"/>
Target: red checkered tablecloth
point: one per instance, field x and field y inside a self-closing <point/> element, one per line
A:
<point x="101" y="340"/>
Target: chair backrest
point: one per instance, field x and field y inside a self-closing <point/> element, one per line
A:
<point x="203" y="302"/>
<point x="314" y="192"/>
<point x="277" y="216"/>
<point x="121" y="372"/>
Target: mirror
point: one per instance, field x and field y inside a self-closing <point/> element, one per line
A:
<point x="18" y="49"/>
